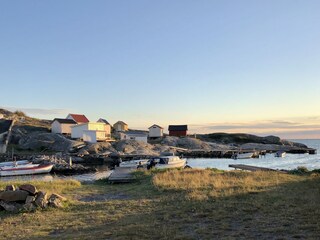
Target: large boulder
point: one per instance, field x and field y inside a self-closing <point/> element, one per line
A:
<point x="46" y="141"/>
<point x="14" y="196"/>
<point x="29" y="188"/>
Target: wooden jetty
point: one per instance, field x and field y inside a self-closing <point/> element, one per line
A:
<point x="122" y="175"/>
<point x="254" y="168"/>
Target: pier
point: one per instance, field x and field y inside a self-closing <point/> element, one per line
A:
<point x="254" y="168"/>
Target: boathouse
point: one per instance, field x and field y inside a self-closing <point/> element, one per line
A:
<point x="155" y="131"/>
<point x="178" y="130"/>
<point x="62" y="126"/>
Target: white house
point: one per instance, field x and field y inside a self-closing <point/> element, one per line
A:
<point x="81" y="131"/>
<point x="62" y="126"/>
<point x="155" y="131"/>
<point x="138" y="136"/>
<point x="107" y="126"/>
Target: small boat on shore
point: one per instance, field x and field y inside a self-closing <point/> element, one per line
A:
<point x="26" y="169"/>
<point x="242" y="156"/>
<point x="167" y="162"/>
<point x="134" y="163"/>
<point x="280" y="154"/>
<point x="13" y="163"/>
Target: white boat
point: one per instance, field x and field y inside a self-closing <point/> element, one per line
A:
<point x="134" y="163"/>
<point x="243" y="155"/>
<point x="168" y="162"/>
<point x="21" y="162"/>
<point x="280" y="154"/>
<point x="26" y="169"/>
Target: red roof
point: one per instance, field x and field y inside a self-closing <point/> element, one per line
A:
<point x="79" y="118"/>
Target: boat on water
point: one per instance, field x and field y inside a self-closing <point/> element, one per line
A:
<point x="134" y="163"/>
<point x="280" y="154"/>
<point x="242" y="156"/>
<point x="13" y="163"/>
<point x="26" y="169"/>
<point x="167" y="162"/>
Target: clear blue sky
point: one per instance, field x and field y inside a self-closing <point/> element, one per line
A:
<point x="204" y="63"/>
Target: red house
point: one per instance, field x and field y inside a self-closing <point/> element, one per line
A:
<point x="178" y="130"/>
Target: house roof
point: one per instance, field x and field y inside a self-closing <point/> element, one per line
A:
<point x="103" y="121"/>
<point x="178" y="127"/>
<point x="120" y="122"/>
<point x="79" y="118"/>
<point x="65" y="121"/>
<point x="155" y="125"/>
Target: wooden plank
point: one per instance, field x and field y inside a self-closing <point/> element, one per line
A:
<point x="122" y="175"/>
<point x="254" y="168"/>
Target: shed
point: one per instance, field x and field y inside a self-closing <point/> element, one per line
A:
<point x="155" y="131"/>
<point x="178" y="130"/>
<point x="62" y="126"/>
<point x="120" y="126"/>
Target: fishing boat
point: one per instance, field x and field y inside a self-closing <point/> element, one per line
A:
<point x="242" y="155"/>
<point x="167" y="162"/>
<point x="26" y="169"/>
<point x="280" y="154"/>
<point x="134" y="163"/>
<point x="12" y="163"/>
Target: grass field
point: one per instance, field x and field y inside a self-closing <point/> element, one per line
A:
<point x="178" y="204"/>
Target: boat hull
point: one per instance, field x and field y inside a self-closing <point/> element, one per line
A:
<point x="176" y="164"/>
<point x="244" y="155"/>
<point x="28" y="170"/>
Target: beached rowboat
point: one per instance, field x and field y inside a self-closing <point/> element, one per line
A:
<point x="27" y="169"/>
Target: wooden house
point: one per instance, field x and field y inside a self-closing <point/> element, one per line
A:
<point x="62" y="126"/>
<point x="178" y="130"/>
<point x="120" y="126"/>
<point x="155" y="131"/>
<point x="91" y="132"/>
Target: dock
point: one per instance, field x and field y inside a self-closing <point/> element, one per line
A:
<point x="254" y="168"/>
<point x="122" y="175"/>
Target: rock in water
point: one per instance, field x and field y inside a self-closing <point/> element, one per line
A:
<point x="41" y="200"/>
<point x="14" y="196"/>
<point x="29" y="188"/>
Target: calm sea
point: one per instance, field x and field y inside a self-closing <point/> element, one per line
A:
<point x="290" y="161"/>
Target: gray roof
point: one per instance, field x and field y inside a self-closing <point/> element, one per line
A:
<point x="65" y="121"/>
<point x="103" y="121"/>
<point x="155" y="125"/>
<point x="178" y="127"/>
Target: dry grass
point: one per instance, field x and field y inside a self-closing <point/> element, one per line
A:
<point x="203" y="184"/>
<point x="180" y="204"/>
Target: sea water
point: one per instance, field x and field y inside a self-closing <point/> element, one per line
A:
<point x="289" y="162"/>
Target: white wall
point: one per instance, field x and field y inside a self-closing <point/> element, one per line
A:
<point x="77" y="131"/>
<point x="155" y="131"/>
<point x="89" y="136"/>
<point x="124" y="136"/>
<point x="56" y="127"/>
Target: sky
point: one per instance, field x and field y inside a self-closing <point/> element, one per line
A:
<point x="218" y="66"/>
